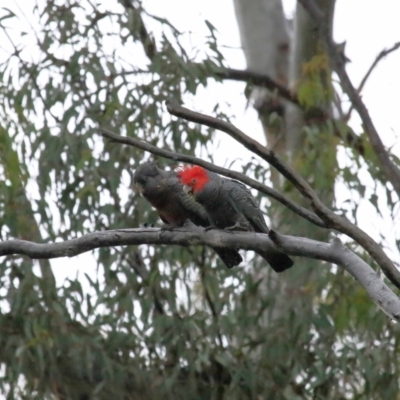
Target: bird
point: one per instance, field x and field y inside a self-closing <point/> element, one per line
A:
<point x="230" y="205"/>
<point x="164" y="191"/>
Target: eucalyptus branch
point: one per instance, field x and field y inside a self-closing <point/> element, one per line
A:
<point x="331" y="220"/>
<point x="291" y="205"/>
<point x="378" y="58"/>
<point x="185" y="236"/>
<point x="249" y="143"/>
<point x="148" y="43"/>
<point x="338" y="254"/>
<point x="188" y="236"/>
<point x="390" y="170"/>
<point x="210" y="301"/>
<point x="135" y="261"/>
<point x="261" y="80"/>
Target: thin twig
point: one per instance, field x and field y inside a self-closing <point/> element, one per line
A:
<point x="135" y="261"/>
<point x="258" y="79"/>
<point x="148" y="43"/>
<point x="209" y="300"/>
<point x="378" y="58"/>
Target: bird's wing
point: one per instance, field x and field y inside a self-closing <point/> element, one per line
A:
<point x="163" y="219"/>
<point x="196" y="211"/>
<point x="244" y="202"/>
<point x="198" y="214"/>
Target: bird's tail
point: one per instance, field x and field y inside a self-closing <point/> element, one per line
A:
<point x="230" y="257"/>
<point x="278" y="260"/>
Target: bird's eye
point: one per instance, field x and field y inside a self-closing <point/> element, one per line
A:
<point x="194" y="180"/>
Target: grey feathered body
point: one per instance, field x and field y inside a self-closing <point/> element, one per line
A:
<point x="164" y="191"/>
<point x="229" y="203"/>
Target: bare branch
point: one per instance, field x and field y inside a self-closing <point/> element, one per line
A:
<point x="149" y="45"/>
<point x="378" y="58"/>
<point x="258" y="79"/>
<point x="210" y="302"/>
<point x="185" y="236"/>
<point x="263" y="80"/>
<point x="188" y="236"/>
<point x="338" y="254"/>
<point x="291" y="205"/>
<point x="388" y="167"/>
<point x="255" y="147"/>
<point x="332" y="220"/>
<point x="135" y="261"/>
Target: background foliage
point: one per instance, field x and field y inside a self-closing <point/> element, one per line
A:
<point x="156" y="321"/>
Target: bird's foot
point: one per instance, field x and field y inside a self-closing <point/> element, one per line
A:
<point x="169" y="227"/>
<point x="209" y="228"/>
<point x="236" y="227"/>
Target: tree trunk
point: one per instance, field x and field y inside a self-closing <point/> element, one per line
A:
<point x="298" y="134"/>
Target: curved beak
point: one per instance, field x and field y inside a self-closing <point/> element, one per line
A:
<point x="187" y="189"/>
<point x="139" y="187"/>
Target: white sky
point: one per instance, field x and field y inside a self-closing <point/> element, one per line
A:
<point x="367" y="26"/>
